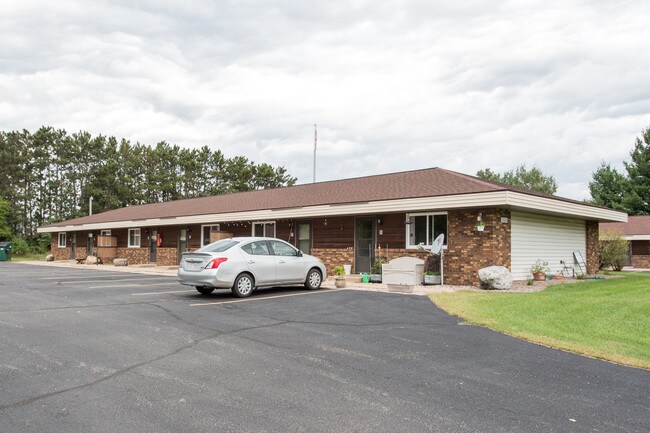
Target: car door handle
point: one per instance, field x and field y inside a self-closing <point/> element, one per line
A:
<point x="280" y="262"/>
<point x="250" y="262"/>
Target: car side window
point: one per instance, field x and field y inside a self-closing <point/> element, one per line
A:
<point x="282" y="249"/>
<point x="257" y="248"/>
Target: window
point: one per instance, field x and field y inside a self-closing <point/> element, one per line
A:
<point x="264" y="228"/>
<point x="62" y="239"/>
<point x="218" y="247"/>
<point x="282" y="249"/>
<point x="205" y="233"/>
<point x="134" y="238"/>
<point x="423" y="229"/>
<point x="259" y="248"/>
<point x="105" y="233"/>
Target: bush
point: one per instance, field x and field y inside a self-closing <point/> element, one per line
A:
<point x="339" y="271"/>
<point x="376" y="265"/>
<point x="20" y="247"/>
<point x="613" y="250"/>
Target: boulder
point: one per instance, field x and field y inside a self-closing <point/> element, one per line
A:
<point x="495" y="277"/>
<point x="91" y="260"/>
<point x="120" y="262"/>
<point x="49" y="258"/>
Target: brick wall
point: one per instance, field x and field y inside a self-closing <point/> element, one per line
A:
<point x="642" y="262"/>
<point x="470" y="250"/>
<point x="592" y="260"/>
<point x="332" y="257"/>
<point x="60" y="253"/>
<point x="135" y="256"/>
<point x="167" y="256"/>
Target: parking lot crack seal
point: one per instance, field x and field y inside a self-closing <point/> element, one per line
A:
<point x="123" y="371"/>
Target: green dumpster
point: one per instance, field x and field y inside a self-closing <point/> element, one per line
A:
<point x="5" y="251"/>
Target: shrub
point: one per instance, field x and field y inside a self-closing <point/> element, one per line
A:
<point x="20" y="247"/>
<point x="339" y="271"/>
<point x="613" y="250"/>
<point x="376" y="266"/>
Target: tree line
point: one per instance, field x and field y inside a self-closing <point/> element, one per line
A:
<point x="49" y="175"/>
<point x="628" y="192"/>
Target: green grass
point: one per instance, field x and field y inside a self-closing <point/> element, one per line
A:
<point x="30" y="257"/>
<point x="607" y="319"/>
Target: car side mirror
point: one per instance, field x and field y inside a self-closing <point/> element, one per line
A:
<point x="299" y="253"/>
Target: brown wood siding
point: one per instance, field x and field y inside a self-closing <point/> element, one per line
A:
<point x="640" y="248"/>
<point x="169" y="236"/>
<point x="338" y="233"/>
<point x="394" y="231"/>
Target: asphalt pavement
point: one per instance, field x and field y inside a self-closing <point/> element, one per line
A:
<point x="83" y="350"/>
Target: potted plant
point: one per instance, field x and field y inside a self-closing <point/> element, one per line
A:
<point x="539" y="270"/>
<point x="375" y="270"/>
<point x="432" y="278"/>
<point x="480" y="226"/>
<point x="339" y="280"/>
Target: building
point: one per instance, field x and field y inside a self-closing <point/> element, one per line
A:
<point x="637" y="231"/>
<point x="356" y="220"/>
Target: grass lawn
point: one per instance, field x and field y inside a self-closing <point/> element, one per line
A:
<point x="31" y="257"/>
<point x="607" y="319"/>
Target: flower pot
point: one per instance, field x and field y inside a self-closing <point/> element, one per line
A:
<point x="348" y="269"/>
<point x="538" y="276"/>
<point x="432" y="279"/>
<point x="339" y="282"/>
<point x="558" y="277"/>
<point x="480" y="228"/>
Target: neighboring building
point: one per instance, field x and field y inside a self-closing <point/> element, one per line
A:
<point x="355" y="220"/>
<point x="637" y="231"/>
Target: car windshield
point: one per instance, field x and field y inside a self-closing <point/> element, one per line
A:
<point x="218" y="246"/>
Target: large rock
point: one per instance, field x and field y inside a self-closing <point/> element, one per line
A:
<point x="91" y="260"/>
<point x="120" y="262"/>
<point x="49" y="258"/>
<point x="495" y="277"/>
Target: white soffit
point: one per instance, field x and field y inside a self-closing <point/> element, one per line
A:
<point x="486" y="199"/>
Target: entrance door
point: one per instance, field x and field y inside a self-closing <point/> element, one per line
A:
<point x="90" y="245"/>
<point x="182" y="243"/>
<point x="303" y="237"/>
<point x="73" y="244"/>
<point x="153" y="246"/>
<point x="364" y="244"/>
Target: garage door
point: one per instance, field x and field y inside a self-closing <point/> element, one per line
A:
<point x="544" y="237"/>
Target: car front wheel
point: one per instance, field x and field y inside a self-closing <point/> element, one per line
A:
<point x="314" y="279"/>
<point x="205" y="290"/>
<point x="243" y="286"/>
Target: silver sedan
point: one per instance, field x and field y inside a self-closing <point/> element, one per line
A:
<point x="243" y="264"/>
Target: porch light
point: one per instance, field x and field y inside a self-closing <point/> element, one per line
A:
<point x="325" y="222"/>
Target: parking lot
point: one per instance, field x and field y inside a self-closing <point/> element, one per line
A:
<point x="86" y="350"/>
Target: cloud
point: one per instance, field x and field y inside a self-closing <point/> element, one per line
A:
<point x="392" y="85"/>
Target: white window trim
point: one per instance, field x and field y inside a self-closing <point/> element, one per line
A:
<point x="139" y="238"/>
<point x="275" y="227"/>
<point x="64" y="244"/>
<point x="217" y="225"/>
<point x="408" y="228"/>
<point x="105" y="233"/>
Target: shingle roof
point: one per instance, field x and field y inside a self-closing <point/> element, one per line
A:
<point x="635" y="225"/>
<point x="429" y="182"/>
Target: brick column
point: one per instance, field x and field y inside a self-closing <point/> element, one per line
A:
<point x="592" y="260"/>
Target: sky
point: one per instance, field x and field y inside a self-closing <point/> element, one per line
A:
<point x="392" y="85"/>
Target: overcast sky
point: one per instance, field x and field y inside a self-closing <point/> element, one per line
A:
<point x="393" y="86"/>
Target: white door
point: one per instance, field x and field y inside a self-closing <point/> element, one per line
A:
<point x="260" y="262"/>
<point x="291" y="268"/>
<point x="551" y="239"/>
